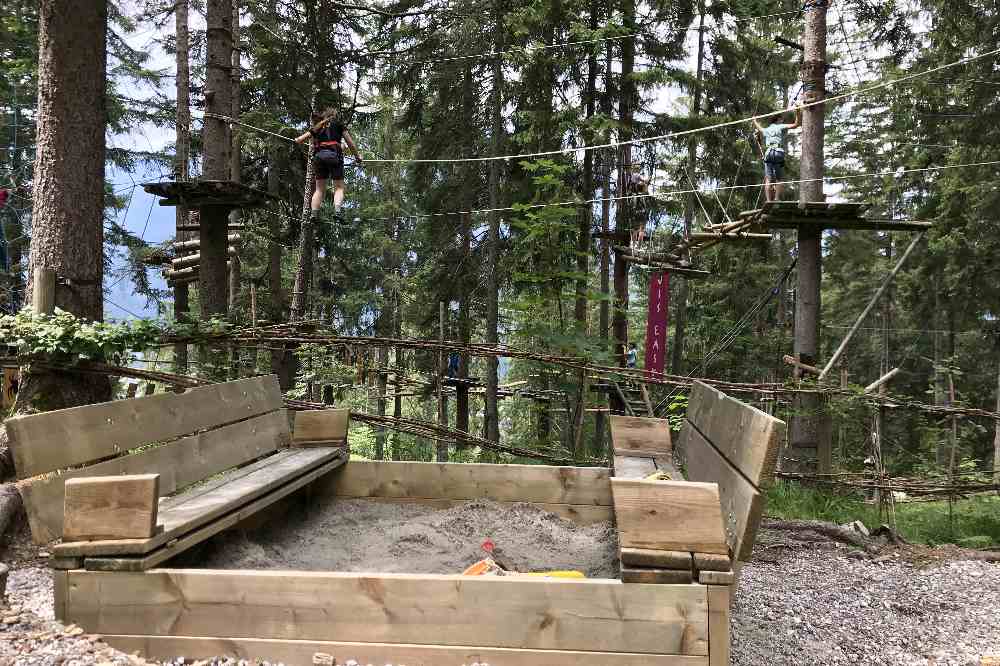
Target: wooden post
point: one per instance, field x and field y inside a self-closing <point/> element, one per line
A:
<point x="442" y="444"/>
<point x="871" y="304"/>
<point x="804" y="425"/>
<point x="182" y="306"/>
<point x="996" y="436"/>
<point x="43" y="291"/>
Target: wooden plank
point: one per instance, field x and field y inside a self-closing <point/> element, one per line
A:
<point x="301" y="652"/>
<point x="179" y="463"/>
<point x="65" y="562"/>
<point x="527" y="613"/>
<point x="67" y="437"/>
<point x="60" y="593"/>
<point x="668" y="515"/>
<point x="111" y="507"/>
<point x="321" y="425"/>
<point x="711" y="562"/>
<point x="747" y="437"/>
<point x="581" y="514"/>
<point x="718" y="625"/>
<point x="633" y="435"/>
<point x="653" y="576"/>
<point x="742" y="504"/>
<point x="632" y="467"/>
<point x="202" y="504"/>
<point x="8" y="389"/>
<point x="457" y="481"/>
<point x="658" y="559"/>
<point x="716" y="577"/>
<point x="181" y="544"/>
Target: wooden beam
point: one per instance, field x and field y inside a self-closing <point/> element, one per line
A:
<point x="111" y="507"/>
<point x="303" y="652"/>
<point x="321" y="426"/>
<point x="669" y="515"/>
<point x="655" y="576"/>
<point x="639" y="436"/>
<point x="718" y="625"/>
<point x="716" y="577"/>
<point x="192" y="260"/>
<point x="511" y="612"/>
<point x="711" y="562"/>
<point x="55" y="440"/>
<point x="882" y="380"/>
<point x="43" y="291"/>
<point x="180" y="246"/>
<point x="660" y="559"/>
<point x="587" y="486"/>
<point x="792" y="361"/>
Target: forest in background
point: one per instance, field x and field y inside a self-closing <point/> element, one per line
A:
<point x="536" y="276"/>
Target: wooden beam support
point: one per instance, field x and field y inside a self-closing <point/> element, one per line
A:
<point x="111" y="507"/>
<point x="882" y="380"/>
<point x="794" y="362"/>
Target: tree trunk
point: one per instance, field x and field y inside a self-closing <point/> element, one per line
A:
<point x="605" y="268"/>
<point x="624" y="208"/>
<point x="996" y="435"/>
<point x="681" y="297"/>
<point x="182" y="162"/>
<point x="464" y="331"/>
<point x="235" y="270"/>
<point x="213" y="285"/>
<point x="303" y="270"/>
<point x="68" y="204"/>
<point x="805" y="423"/>
<point x="492" y="425"/>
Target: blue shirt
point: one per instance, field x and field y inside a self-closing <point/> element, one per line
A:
<point x="774" y="135"/>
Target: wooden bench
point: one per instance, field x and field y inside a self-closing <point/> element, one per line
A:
<point x="696" y="527"/>
<point x="221" y="452"/>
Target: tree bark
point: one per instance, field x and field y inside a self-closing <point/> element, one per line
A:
<point x="600" y="419"/>
<point x="996" y="434"/>
<point x="182" y="162"/>
<point x="303" y="270"/>
<point x="681" y="298"/>
<point x="492" y="424"/>
<point x="68" y="203"/>
<point x="235" y="270"/>
<point x="805" y="423"/>
<point x="213" y="285"/>
<point x="624" y="207"/>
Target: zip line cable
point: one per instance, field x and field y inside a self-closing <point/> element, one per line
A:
<point x="643" y="140"/>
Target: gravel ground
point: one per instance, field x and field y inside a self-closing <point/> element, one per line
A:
<point x="802" y="600"/>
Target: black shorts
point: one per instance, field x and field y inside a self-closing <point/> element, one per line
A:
<point x="329" y="164"/>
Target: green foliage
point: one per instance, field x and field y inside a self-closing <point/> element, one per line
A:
<point x="65" y="338"/>
<point x="972" y="523"/>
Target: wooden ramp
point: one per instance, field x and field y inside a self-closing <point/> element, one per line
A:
<point x="823" y="215"/>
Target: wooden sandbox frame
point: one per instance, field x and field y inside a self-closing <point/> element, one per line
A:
<point x="670" y="607"/>
<point x="412" y="619"/>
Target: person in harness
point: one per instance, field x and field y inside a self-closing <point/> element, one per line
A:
<point x="774" y="152"/>
<point x="637" y="188"/>
<point x="328" y="135"/>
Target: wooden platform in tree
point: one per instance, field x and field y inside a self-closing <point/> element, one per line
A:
<point x="823" y="215"/>
<point x="200" y="193"/>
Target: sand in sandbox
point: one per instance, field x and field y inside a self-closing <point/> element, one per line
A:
<point x="368" y="536"/>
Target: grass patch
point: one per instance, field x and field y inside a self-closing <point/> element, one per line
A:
<point x="975" y="522"/>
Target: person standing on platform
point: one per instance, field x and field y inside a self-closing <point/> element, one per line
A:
<point x="774" y="152"/>
<point x="632" y="357"/>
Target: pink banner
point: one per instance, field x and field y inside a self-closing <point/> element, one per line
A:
<point x="656" y="322"/>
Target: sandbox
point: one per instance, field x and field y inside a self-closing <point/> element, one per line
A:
<point x="409" y="617"/>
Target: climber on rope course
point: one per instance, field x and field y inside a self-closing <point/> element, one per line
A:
<point x="328" y="133"/>
<point x="636" y="185"/>
<point x="774" y="151"/>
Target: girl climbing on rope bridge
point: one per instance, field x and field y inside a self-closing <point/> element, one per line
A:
<point x="774" y="152"/>
<point x="327" y="133"/>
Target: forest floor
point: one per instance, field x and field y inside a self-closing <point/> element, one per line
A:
<point x="804" y="599"/>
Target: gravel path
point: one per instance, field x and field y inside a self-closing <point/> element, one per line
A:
<point x="803" y="600"/>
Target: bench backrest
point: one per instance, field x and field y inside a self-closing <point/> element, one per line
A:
<point x="183" y="437"/>
<point x="735" y="445"/>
